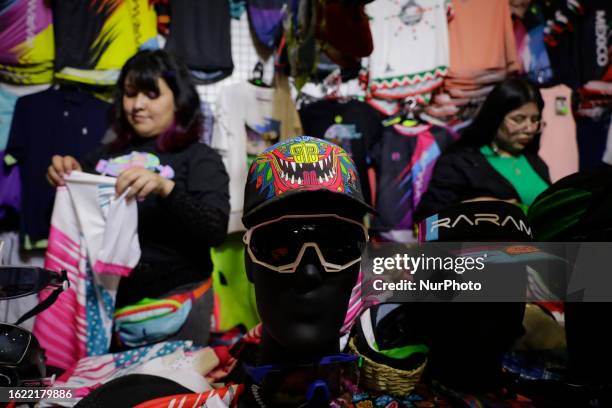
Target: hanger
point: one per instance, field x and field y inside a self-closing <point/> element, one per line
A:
<point x="257" y="76"/>
<point x="410" y="106"/>
<point x="407" y="115"/>
<point x="331" y="87"/>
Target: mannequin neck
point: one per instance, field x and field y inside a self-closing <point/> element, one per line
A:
<point x="272" y="352"/>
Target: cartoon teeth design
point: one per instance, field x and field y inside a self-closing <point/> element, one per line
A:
<point x="318" y="171"/>
<point x="306" y="164"/>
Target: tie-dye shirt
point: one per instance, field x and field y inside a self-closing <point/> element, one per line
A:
<point x="26" y="42"/>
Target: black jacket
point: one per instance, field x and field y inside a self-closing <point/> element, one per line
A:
<point x="464" y="173"/>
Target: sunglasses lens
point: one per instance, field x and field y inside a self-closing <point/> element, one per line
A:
<point x="273" y="251"/>
<point x="22" y="281"/>
<point x="13" y="344"/>
<point x="279" y="243"/>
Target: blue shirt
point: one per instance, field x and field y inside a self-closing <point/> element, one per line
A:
<point x="54" y="121"/>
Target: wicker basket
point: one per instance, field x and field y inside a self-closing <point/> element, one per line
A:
<point x="382" y="378"/>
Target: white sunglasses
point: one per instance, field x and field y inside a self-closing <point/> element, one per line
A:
<point x="292" y="266"/>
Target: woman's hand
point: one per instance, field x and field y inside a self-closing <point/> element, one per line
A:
<point x="141" y="183"/>
<point x="61" y="166"/>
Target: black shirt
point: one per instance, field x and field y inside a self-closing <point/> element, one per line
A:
<point x="200" y="36"/>
<point x="353" y="125"/>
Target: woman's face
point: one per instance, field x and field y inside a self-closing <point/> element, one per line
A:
<point x="149" y="113"/>
<point x="518" y="128"/>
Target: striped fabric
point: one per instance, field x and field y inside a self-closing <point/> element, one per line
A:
<point x="79" y="323"/>
<point x="218" y="398"/>
<point x="26" y="42"/>
<point x="153" y="320"/>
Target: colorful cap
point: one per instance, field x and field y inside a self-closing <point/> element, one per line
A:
<point x="301" y="165"/>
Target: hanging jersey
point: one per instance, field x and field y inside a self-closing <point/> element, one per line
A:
<point x="200" y="37"/>
<point x="411" y="53"/>
<point x="67" y="122"/>
<point x="26" y="42"/>
<point x="530" y="47"/>
<point x="95" y="38"/>
<point x="579" y="41"/>
<point x="353" y="125"/>
<point x="248" y="122"/>
<point x="405" y="163"/>
<point x="266" y="18"/>
<point x="480" y="25"/>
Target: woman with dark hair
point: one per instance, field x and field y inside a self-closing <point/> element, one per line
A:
<point x="182" y="192"/>
<point x="496" y="158"/>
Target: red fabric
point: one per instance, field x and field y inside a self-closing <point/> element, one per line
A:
<point x="347" y="29"/>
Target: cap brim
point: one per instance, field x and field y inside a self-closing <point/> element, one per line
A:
<point x="322" y="201"/>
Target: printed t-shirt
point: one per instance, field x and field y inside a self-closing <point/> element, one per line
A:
<point x="353" y="125"/>
<point x="247" y="123"/>
<point x="411" y="46"/>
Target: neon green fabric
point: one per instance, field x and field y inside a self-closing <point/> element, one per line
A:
<point x="400" y="353"/>
<point x="517" y="170"/>
<point x="234" y="294"/>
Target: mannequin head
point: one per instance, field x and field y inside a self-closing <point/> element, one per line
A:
<point x="474" y="363"/>
<point x="302" y="310"/>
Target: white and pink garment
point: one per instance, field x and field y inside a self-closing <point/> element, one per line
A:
<point x="92" y="372"/>
<point x="94" y="237"/>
